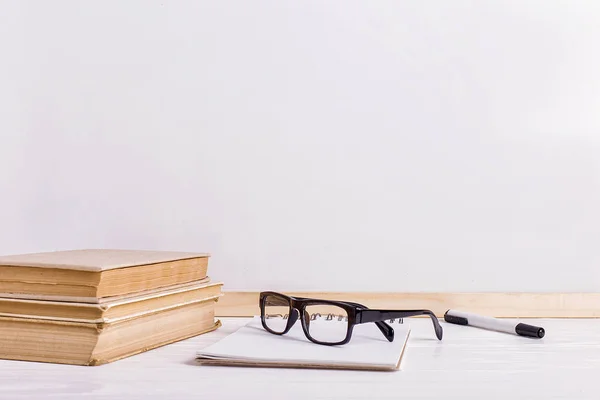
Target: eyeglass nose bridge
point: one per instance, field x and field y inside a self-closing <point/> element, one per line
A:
<point x="294" y="314"/>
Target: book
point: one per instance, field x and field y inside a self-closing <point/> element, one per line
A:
<point x="111" y="310"/>
<point x="91" y="275"/>
<point x="91" y="334"/>
<point x="253" y="346"/>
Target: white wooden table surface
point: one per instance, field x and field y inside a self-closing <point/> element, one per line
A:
<point x="468" y="364"/>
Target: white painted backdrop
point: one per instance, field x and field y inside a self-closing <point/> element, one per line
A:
<point x="314" y="145"/>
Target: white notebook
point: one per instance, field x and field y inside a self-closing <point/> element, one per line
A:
<point x="252" y="345"/>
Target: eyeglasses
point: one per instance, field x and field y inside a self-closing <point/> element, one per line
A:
<point x="275" y="306"/>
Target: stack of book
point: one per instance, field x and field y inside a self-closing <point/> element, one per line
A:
<point x="91" y="307"/>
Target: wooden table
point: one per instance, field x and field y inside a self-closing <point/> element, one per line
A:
<point x="468" y="364"/>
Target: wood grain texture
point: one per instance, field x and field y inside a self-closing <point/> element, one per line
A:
<point x="509" y="305"/>
<point x="468" y="364"/>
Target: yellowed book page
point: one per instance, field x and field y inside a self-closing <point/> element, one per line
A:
<point x="31" y="339"/>
<point x="110" y="311"/>
<point x="91" y="287"/>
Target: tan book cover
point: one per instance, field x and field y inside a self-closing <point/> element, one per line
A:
<point x="94" y="300"/>
<point x="91" y="275"/>
<point x="82" y="343"/>
<point x="95" y="260"/>
<point x="95" y="334"/>
<point x="113" y="310"/>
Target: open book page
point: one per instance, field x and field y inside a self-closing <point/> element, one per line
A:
<point x="252" y="345"/>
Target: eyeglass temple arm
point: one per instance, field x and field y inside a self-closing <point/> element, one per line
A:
<point x="365" y="316"/>
<point x="387" y="330"/>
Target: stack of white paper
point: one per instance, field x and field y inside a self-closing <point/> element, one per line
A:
<point x="252" y="345"/>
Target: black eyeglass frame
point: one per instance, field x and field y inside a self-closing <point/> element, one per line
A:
<point x="357" y="314"/>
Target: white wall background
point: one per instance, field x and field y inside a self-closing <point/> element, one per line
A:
<point x="337" y="145"/>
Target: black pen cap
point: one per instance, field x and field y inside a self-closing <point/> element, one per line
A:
<point x="453" y="319"/>
<point x="530" y="330"/>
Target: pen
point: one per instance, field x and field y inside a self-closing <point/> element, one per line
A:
<point x="494" y="324"/>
